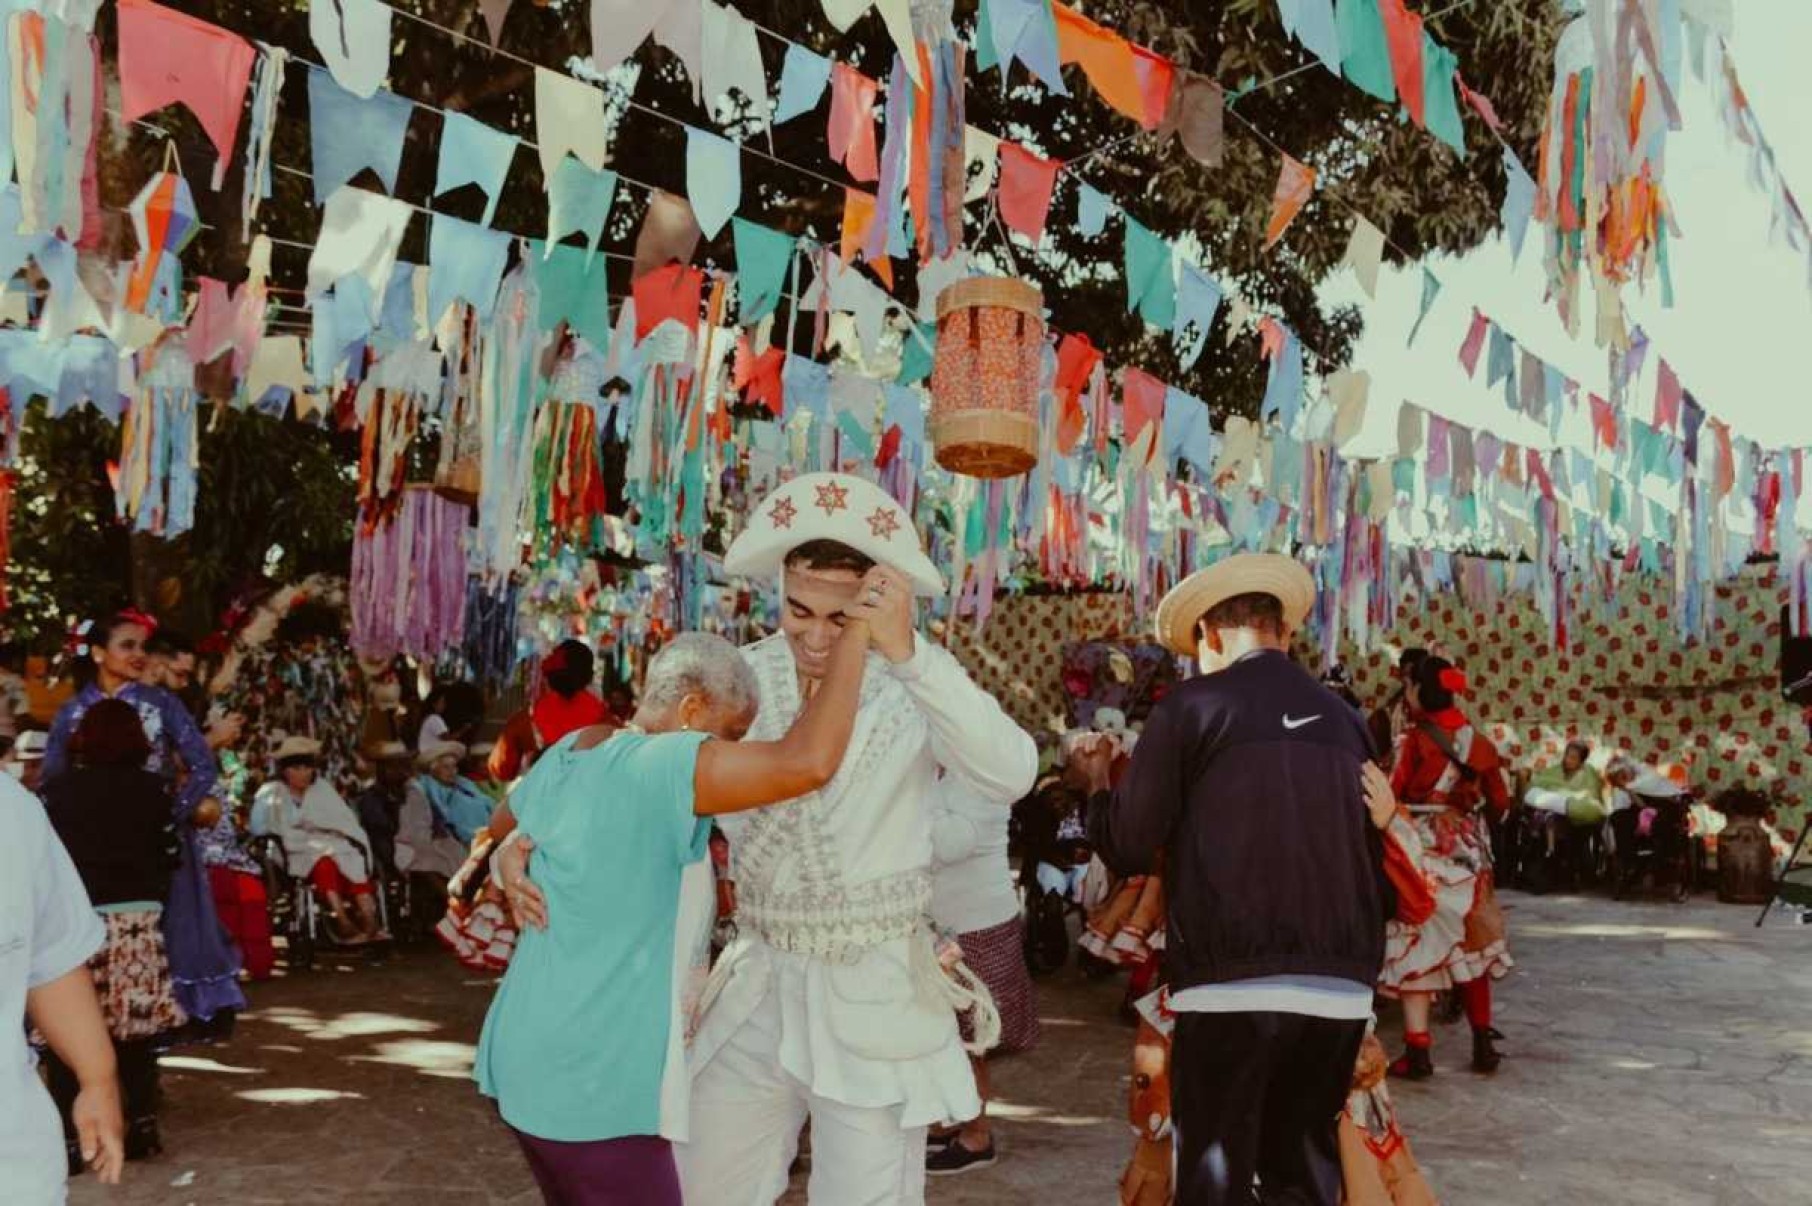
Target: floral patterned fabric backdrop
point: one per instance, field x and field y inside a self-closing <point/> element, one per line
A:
<point x="1626" y="683"/>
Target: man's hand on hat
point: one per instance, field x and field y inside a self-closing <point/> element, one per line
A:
<point x="884" y="601"/>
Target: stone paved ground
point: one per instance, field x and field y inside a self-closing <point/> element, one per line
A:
<point x="1659" y="1054"/>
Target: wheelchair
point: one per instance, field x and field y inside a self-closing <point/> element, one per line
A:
<point x="298" y="917"/>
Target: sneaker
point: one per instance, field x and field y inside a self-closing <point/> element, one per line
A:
<point x="956" y="1159"/>
<point x="935" y="1142"/>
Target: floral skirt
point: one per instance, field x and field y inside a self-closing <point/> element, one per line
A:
<point x="1465" y="939"/>
<point x="132" y="977"/>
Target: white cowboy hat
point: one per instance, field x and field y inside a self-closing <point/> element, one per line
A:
<point x="832" y="506"/>
<point x="32" y="745"/>
<point x="434" y="751"/>
<point x="296" y="747"/>
<point x="1281" y="577"/>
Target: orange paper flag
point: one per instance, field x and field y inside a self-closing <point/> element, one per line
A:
<point x="1105" y="57"/>
<point x="1295" y="181"/>
<point x="858" y="216"/>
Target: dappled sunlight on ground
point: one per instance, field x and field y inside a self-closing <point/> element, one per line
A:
<point x="192" y="1063"/>
<point x="296" y="1096"/>
<point x="429" y="1057"/>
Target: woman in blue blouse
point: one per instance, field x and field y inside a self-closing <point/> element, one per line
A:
<point x="109" y="664"/>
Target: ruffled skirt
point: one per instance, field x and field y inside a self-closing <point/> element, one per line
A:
<point x="1465" y="938"/>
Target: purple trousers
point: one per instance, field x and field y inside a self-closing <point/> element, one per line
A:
<point x="637" y="1170"/>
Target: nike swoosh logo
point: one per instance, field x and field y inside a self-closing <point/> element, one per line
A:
<point x="1292" y="723"/>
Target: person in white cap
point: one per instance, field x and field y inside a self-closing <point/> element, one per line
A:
<point x="1250" y="793"/>
<point x="831" y="1003"/>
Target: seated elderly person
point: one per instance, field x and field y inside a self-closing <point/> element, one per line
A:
<point x="322" y="839"/>
<point x="1571" y="793"/>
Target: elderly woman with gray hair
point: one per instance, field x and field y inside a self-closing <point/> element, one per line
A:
<point x="584" y="1047"/>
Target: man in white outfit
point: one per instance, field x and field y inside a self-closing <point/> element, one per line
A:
<point x="831" y="1004"/>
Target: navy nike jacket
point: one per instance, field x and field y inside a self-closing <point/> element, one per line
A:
<point x="1246" y="784"/>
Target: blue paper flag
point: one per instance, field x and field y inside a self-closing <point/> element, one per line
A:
<point x="1198" y="298"/>
<point x="1188" y="434"/>
<point x="803" y="78"/>
<point x="713" y="179"/>
<point x="465" y="263"/>
<point x="473" y="153"/>
<point x="1519" y="201"/>
<point x="1283" y="389"/>
<point x="351" y="133"/>
<point x="1150" y="276"/>
<point x="906" y="411"/>
<point x="805" y="384"/>
<point x="1091" y="211"/>
<point x="762" y="259"/>
<point x="1311" y="22"/>
<point x="1026" y="30"/>
<point x="579" y="200"/>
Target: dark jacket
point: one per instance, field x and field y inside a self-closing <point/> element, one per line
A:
<point x="117" y="824"/>
<point x="1248" y="782"/>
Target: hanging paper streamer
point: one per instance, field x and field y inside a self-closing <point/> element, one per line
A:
<point x="408" y="582"/>
<point x="53" y="102"/>
<point x="267" y="90"/>
<point x="491" y="648"/>
<point x="158" y="447"/>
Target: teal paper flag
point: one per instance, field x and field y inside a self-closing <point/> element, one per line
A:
<point x="762" y="259"/>
<point x="1431" y="288"/>
<point x="917" y="354"/>
<point x="1364" y="56"/>
<point x="578" y="201"/>
<point x="1441" y="108"/>
<point x="473" y="153"/>
<point x="572" y="287"/>
<point x="713" y="179"/>
<point x="1150" y="276"/>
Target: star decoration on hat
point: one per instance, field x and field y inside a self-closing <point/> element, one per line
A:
<point x="883" y="523"/>
<point x="783" y="514"/>
<point x="832" y="498"/>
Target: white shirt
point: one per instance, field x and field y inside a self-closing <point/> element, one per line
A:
<point x="47" y="930"/>
<point x="434" y="731"/>
<point x="1310" y="996"/>
<point x="971" y="883"/>
<point x="832" y="888"/>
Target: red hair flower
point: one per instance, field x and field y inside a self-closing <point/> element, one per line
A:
<point x="1453" y="681"/>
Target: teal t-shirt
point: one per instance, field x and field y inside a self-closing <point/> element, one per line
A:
<point x="577" y="1043"/>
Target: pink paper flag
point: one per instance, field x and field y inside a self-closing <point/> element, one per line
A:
<point x="1475" y="339"/>
<point x="1667" y="398"/>
<point x="852" y="122"/>
<point x="1142" y="402"/>
<point x="1481" y="104"/>
<point x="167" y="56"/>
<point x="494" y="13"/>
<point x="1026" y="184"/>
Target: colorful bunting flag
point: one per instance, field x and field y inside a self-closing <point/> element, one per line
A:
<point x="762" y="259"/>
<point x="713" y="179"/>
<point x="473" y="153"/>
<point x="569" y="117"/>
<point x="1431" y="288"/>
<point x="1364" y="56"/>
<point x="803" y="78"/>
<point x="1197" y="115"/>
<point x="353" y="37"/>
<point x="1364" y="254"/>
<point x="578" y="200"/>
<point x="1198" y="299"/>
<point x="1150" y="276"/>
<point x="1295" y="183"/>
<point x="167" y="57"/>
<point x="1440" y="72"/>
<point x="1403" y="38"/>
<point x="1026" y="184"/>
<point x="852" y="122"/>
<point x="465" y="263"/>
<point x="351" y="133"/>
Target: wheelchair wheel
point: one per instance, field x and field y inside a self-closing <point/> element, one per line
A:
<point x="1047" y="936"/>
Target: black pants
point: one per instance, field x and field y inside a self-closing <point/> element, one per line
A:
<point x="1259" y="1094"/>
<point x="137" y="1062"/>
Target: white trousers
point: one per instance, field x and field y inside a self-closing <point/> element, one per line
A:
<point x="746" y="1116"/>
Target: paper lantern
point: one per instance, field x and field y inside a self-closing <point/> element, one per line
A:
<point x="984" y="381"/>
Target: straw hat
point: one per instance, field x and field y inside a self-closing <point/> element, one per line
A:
<point x="1281" y="577"/>
<point x="31" y="745"/>
<point x="434" y="751"/>
<point x="296" y="747"/>
<point x="832" y="506"/>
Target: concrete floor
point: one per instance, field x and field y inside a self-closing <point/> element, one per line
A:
<point x="1657" y="1055"/>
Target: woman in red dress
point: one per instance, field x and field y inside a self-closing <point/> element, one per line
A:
<point x="1453" y="771"/>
